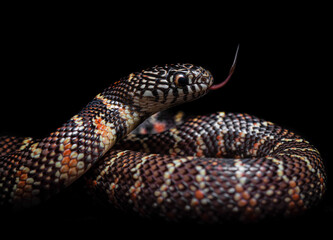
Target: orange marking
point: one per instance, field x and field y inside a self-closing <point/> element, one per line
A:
<point x="143" y="131"/>
<point x="295" y="197"/>
<point x="239" y="188"/>
<point x="199" y="153"/>
<point x="242" y="203"/>
<point x="98" y="123"/>
<point x="219" y="154"/>
<point x="292" y="184"/>
<point x="253" y="202"/>
<point x="67" y="152"/>
<point x="199" y="194"/>
<point x="101" y="127"/>
<point x="122" y="110"/>
<point x="159" y="200"/>
<point x="28" y="188"/>
<point x="159" y="127"/>
<point x="133" y="196"/>
<point x="195" y="203"/>
<point x="21" y="184"/>
<point x="18" y="173"/>
<point x="73" y="163"/>
<point x="137" y="184"/>
<point x="72" y="172"/>
<point x="104" y="133"/>
<point x="65" y="161"/>
<point x="246" y="195"/>
<point x="68" y="146"/>
<point x="64" y="169"/>
<point x="24" y="176"/>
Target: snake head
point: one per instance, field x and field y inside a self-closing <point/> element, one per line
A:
<point x="161" y="87"/>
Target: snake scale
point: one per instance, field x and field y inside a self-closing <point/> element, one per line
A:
<point x="209" y="168"/>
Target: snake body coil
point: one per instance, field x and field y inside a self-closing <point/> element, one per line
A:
<point x="209" y="168"/>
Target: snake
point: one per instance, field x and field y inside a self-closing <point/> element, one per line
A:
<point x="207" y="168"/>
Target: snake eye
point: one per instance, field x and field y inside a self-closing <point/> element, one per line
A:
<point x="181" y="80"/>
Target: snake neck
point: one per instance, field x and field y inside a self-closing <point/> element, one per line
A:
<point x="103" y="122"/>
<point x="111" y="117"/>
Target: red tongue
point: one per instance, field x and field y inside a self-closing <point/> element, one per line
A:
<point x="217" y="86"/>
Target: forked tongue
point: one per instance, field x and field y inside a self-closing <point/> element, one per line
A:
<point x="217" y="86"/>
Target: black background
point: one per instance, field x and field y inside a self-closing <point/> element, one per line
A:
<point x="54" y="62"/>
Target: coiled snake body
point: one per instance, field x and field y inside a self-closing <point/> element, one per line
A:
<point x="209" y="168"/>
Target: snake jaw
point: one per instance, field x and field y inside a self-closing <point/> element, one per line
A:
<point x="231" y="71"/>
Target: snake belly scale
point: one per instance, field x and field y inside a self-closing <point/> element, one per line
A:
<point x="209" y="168"/>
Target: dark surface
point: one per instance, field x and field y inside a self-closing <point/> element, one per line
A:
<point x="51" y="68"/>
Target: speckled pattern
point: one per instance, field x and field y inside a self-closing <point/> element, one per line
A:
<point x="43" y="168"/>
<point x="252" y="169"/>
<point x="222" y="166"/>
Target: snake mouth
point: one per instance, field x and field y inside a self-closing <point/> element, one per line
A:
<point x="231" y="71"/>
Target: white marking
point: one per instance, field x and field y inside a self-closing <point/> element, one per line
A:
<point x="203" y="85"/>
<point x="163" y="86"/>
<point x="190" y="77"/>
<point x="189" y="89"/>
<point x="148" y="93"/>
<point x="164" y="81"/>
<point x="149" y="77"/>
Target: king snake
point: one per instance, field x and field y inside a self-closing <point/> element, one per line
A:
<point x="211" y="168"/>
